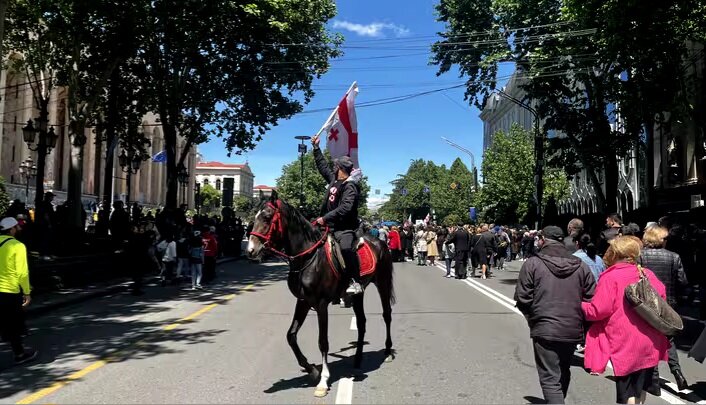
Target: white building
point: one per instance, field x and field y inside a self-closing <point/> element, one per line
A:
<point x="218" y="174"/>
<point x="262" y="191"/>
<point x="499" y="114"/>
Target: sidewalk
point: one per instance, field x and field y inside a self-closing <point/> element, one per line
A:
<point x="49" y="301"/>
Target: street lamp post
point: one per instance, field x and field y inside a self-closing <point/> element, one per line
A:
<point x="28" y="170"/>
<point x="45" y="143"/>
<point x="183" y="178"/>
<point x="302" y="152"/>
<point x="538" y="153"/>
<point x="130" y="164"/>
<point x="473" y="161"/>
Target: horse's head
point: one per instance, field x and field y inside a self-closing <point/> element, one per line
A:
<point x="268" y="228"/>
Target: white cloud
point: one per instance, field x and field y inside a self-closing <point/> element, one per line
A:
<point x="375" y="30"/>
<point x="375" y="202"/>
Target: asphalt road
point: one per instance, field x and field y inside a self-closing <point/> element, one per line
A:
<point x="455" y="342"/>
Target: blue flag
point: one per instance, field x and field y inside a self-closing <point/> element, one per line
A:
<point x="160" y="157"/>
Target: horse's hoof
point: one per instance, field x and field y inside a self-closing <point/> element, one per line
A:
<point x="320" y="392"/>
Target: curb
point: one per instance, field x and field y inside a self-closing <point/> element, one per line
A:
<point x="61" y="302"/>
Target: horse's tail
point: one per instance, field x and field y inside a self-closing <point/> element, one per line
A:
<point x="385" y="274"/>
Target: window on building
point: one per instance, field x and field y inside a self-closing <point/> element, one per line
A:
<point x="218" y="184"/>
<point x="205" y="182"/>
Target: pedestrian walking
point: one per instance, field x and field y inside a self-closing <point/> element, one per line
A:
<point x="618" y="333"/>
<point x="182" y="247"/>
<point x="613" y="224"/>
<point x="408" y="240"/>
<point x="503" y="246"/>
<point x="169" y="260"/>
<point x="210" y="252"/>
<point x="395" y="245"/>
<point x="461" y="241"/>
<point x="196" y="256"/>
<point x="447" y="251"/>
<point x="668" y="269"/>
<point x="588" y="253"/>
<point x="15" y="290"/>
<point x="432" y="249"/>
<point x="485" y="248"/>
<point x="549" y="291"/>
<point x="421" y="244"/>
<point x="573" y="231"/>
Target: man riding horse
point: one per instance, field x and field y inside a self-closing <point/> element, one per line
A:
<point x="340" y="211"/>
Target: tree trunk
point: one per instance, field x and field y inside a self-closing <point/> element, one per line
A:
<point x="650" y="162"/>
<point x="611" y="184"/>
<point x="76" y="223"/>
<point x="170" y="140"/>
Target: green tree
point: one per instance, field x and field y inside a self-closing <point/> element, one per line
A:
<point x="242" y="204"/>
<point x="450" y="191"/>
<point x="584" y="63"/>
<point x="451" y="220"/>
<point x="289" y="187"/>
<point x="508" y="178"/>
<point x="232" y="69"/>
<point x="210" y="198"/>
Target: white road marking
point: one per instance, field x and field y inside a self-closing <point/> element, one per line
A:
<point x="344" y="393"/>
<point x="510" y="303"/>
<point x="490" y="293"/>
<point x="354" y="324"/>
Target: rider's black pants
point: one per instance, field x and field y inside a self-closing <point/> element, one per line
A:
<point x="348" y="242"/>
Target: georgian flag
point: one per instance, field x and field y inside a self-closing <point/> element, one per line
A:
<point x="341" y="129"/>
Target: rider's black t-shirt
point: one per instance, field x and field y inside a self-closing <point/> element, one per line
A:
<point x="333" y="197"/>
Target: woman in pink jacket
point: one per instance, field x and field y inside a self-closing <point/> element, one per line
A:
<point x="618" y="333"/>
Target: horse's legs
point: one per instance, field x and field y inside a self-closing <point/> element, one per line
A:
<point x="387" y="316"/>
<point x="359" y="310"/>
<point x="300" y="312"/>
<point x="322" y="387"/>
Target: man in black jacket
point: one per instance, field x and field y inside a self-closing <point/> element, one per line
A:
<point x="549" y="292"/>
<point x="613" y="224"/>
<point x="461" y="240"/>
<point x="340" y="210"/>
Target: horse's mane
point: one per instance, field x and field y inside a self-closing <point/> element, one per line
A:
<point x="295" y="218"/>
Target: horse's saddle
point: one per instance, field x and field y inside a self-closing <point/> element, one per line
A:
<point x="366" y="256"/>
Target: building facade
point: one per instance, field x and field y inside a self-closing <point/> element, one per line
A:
<point x="261" y="192"/>
<point x="149" y="185"/>
<point x="217" y="174"/>
<point x="499" y="114"/>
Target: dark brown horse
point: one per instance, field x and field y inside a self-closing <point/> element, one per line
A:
<point x="282" y="230"/>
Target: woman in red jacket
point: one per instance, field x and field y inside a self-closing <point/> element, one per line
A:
<point x="395" y="244"/>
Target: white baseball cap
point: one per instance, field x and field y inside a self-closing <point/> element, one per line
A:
<point x="8" y="223"/>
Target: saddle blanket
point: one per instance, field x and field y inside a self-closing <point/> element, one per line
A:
<point x="366" y="259"/>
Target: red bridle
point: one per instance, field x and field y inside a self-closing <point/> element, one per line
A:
<point x="276" y="232"/>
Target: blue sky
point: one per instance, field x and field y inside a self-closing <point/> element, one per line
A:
<point x="389" y="135"/>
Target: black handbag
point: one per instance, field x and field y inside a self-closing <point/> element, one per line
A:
<point x="651" y="307"/>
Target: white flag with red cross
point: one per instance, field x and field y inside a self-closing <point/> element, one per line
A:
<point x="341" y="128"/>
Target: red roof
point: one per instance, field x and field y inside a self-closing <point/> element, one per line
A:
<point x="220" y="164"/>
<point x="263" y="187"/>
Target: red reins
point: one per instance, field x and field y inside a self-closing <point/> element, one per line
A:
<point x="276" y="230"/>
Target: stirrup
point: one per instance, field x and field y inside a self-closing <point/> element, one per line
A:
<point x="354" y="289"/>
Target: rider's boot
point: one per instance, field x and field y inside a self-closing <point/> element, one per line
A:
<point x="353" y="269"/>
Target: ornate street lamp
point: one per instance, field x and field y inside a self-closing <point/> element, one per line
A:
<point x="130" y="164"/>
<point x="46" y="142"/>
<point x="183" y="178"/>
<point x="28" y="170"/>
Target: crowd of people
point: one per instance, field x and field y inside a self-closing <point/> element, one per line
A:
<point x="466" y="248"/>
<point x="571" y="289"/>
<point x="573" y="293"/>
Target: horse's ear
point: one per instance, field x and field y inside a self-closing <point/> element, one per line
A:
<point x="274" y="197"/>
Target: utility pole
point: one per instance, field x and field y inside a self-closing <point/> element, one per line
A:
<point x="302" y="152"/>
<point x="474" y="170"/>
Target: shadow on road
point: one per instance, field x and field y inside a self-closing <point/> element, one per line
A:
<point x="343" y="367"/>
<point x="119" y="328"/>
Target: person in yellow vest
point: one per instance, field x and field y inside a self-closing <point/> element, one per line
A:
<point x="14" y="290"/>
